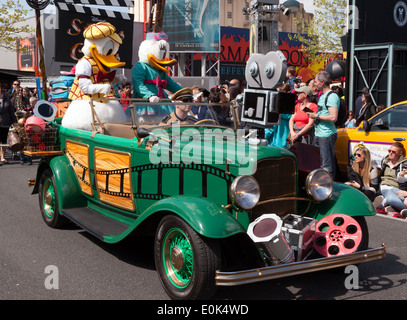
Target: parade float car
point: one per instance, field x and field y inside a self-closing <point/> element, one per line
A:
<point x="377" y="134"/>
<point x="224" y="209"/>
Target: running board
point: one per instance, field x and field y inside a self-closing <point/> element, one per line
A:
<point x="296" y="268"/>
<point x="95" y="223"/>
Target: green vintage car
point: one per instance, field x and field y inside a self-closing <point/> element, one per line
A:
<point x="225" y="209"/>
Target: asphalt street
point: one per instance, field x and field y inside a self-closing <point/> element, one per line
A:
<point x="40" y="263"/>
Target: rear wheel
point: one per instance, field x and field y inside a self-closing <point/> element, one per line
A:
<point x="48" y="197"/>
<point x="185" y="261"/>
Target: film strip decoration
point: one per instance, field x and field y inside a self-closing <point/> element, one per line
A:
<point x="91" y="10"/>
<point x="113" y="3"/>
<point x="203" y="168"/>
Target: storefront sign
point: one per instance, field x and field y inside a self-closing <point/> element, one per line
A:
<point x="26" y="54"/>
<point x="69" y="36"/>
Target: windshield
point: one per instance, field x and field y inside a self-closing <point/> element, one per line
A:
<point x="166" y="113"/>
<point x="392" y="119"/>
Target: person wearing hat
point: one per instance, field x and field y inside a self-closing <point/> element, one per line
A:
<point x="93" y="75"/>
<point x="181" y="113"/>
<point x="94" y="78"/>
<point x="150" y="74"/>
<point x="301" y="126"/>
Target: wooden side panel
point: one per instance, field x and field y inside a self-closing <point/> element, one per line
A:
<point x="113" y="178"/>
<point x="62" y="107"/>
<point x="78" y="155"/>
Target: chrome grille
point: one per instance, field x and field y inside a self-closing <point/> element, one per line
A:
<point x="277" y="178"/>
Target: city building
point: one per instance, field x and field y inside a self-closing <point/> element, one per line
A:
<point x="206" y="66"/>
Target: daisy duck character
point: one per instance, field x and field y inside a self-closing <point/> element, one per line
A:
<point x="150" y="74"/>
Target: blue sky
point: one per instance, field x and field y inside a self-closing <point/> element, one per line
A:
<point x="308" y="5"/>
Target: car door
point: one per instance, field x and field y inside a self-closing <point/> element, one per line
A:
<point x="383" y="129"/>
<point x="103" y="167"/>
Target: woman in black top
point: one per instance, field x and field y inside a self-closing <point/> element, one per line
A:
<point x="7" y="118"/>
<point x="362" y="175"/>
<point x="368" y="109"/>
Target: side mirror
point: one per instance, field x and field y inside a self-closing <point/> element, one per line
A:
<point x="142" y="132"/>
<point x="366" y="125"/>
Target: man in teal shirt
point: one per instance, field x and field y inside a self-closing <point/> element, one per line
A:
<point x="325" y="118"/>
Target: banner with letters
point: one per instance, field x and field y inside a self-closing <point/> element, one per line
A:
<point x="73" y="21"/>
<point x="234" y="53"/>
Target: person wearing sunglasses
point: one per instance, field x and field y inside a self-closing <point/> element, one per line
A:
<point x="393" y="176"/>
<point x="301" y="126"/>
<point x="363" y="176"/>
<point x="182" y="111"/>
<point x="15" y="86"/>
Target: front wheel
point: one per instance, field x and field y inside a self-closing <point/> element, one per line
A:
<point x="48" y="197"/>
<point x="185" y="261"/>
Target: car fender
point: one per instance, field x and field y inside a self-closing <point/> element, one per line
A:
<point x="69" y="192"/>
<point x="352" y="203"/>
<point x="205" y="217"/>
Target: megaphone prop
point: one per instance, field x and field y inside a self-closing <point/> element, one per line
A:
<point x="44" y="112"/>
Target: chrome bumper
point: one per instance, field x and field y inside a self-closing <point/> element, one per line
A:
<point x="296" y="268"/>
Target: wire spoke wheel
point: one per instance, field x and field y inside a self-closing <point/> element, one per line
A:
<point x="178" y="258"/>
<point x="48" y="198"/>
<point x="186" y="261"/>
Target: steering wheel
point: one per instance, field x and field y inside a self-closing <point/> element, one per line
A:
<point x="203" y="120"/>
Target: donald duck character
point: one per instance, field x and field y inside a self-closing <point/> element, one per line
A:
<point x="150" y="74"/>
<point x="94" y="78"/>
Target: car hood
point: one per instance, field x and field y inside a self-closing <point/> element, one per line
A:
<point x="213" y="146"/>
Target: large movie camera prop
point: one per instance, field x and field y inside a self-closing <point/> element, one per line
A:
<point x="262" y="103"/>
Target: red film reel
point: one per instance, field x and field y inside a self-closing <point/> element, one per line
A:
<point x="337" y="234"/>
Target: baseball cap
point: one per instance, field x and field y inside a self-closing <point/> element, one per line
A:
<point x="306" y="90"/>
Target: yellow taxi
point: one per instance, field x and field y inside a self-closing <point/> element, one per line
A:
<point x="377" y="134"/>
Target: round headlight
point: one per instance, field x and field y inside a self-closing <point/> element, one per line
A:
<point x="319" y="185"/>
<point x="245" y="192"/>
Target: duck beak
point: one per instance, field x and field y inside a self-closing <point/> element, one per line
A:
<point x="105" y="63"/>
<point x="160" y="64"/>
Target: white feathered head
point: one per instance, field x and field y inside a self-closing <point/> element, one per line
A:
<point x="155" y="51"/>
<point x="102" y="43"/>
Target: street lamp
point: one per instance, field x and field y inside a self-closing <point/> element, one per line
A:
<point x="38" y="5"/>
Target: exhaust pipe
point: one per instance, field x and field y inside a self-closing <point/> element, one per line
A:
<point x="266" y="230"/>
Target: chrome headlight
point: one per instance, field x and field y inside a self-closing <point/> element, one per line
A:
<point x="245" y="192"/>
<point x="319" y="185"/>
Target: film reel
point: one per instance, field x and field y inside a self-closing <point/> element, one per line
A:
<point x="266" y="71"/>
<point x="337" y="234"/>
